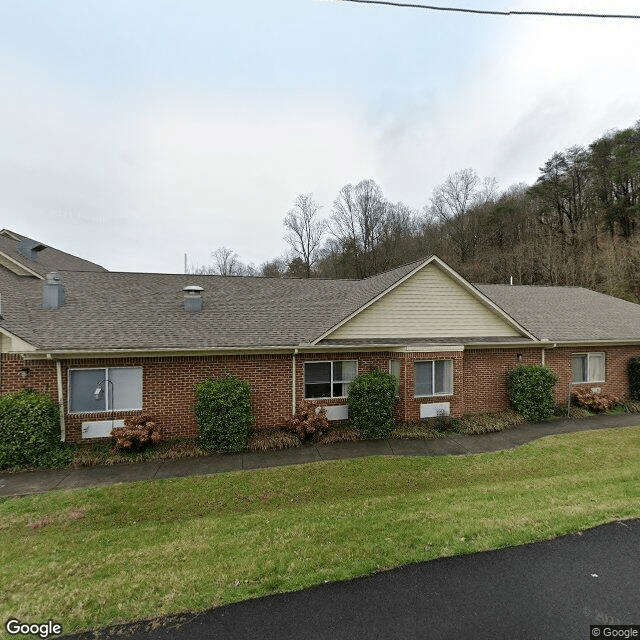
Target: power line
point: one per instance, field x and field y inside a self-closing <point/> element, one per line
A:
<point x="488" y="12"/>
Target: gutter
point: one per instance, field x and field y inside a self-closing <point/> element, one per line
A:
<point x="311" y="348"/>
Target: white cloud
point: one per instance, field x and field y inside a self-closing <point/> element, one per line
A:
<point x="541" y="86"/>
<point x="133" y="181"/>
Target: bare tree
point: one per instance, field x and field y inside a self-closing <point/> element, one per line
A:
<point x="275" y="268"/>
<point x="304" y="230"/>
<point x="358" y="219"/>
<point x="452" y="204"/>
<point x="226" y="263"/>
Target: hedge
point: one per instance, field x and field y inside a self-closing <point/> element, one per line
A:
<point x="30" y="432"/>
<point x="223" y="411"/>
<point x="531" y="391"/>
<point x="371" y="399"/>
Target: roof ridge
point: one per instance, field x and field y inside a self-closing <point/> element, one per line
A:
<point x="401" y="266"/>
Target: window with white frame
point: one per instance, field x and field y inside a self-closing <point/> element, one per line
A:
<point x="105" y="389"/>
<point x="433" y="378"/>
<point x="394" y="370"/>
<point x="329" y="379"/>
<point x="588" y="367"/>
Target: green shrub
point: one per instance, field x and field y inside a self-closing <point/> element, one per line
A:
<point x="223" y="410"/>
<point x="371" y="398"/>
<point x="634" y="378"/>
<point x="531" y="391"/>
<point x="30" y="432"/>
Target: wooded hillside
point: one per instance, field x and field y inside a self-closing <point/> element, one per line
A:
<point x="579" y="224"/>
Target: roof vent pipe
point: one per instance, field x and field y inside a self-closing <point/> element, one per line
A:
<point x="52" y="292"/>
<point x="193" y="298"/>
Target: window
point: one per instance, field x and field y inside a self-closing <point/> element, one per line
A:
<point x="394" y="370"/>
<point x="588" y="367"/>
<point x="108" y="389"/>
<point x="329" y="379"/>
<point x="433" y="378"/>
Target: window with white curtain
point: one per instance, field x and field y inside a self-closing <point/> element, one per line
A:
<point x="329" y="379"/>
<point x="433" y="378"/>
<point x="588" y="367"/>
<point x="105" y="389"/>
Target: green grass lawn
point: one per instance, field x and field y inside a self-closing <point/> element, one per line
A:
<point x="91" y="557"/>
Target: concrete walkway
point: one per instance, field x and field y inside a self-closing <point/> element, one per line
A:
<point x="29" y="482"/>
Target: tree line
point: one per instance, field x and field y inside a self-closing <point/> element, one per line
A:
<point x="578" y="225"/>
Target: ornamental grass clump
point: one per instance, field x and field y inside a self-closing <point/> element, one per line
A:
<point x="309" y="421"/>
<point x="30" y="432"/>
<point x="223" y="411"/>
<point x="531" y="391"/>
<point x="371" y="399"/>
<point x="137" y="434"/>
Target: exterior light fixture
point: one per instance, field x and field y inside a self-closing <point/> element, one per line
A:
<point x="24" y="372"/>
<point x="519" y="357"/>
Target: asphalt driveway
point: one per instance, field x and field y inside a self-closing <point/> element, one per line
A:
<point x="546" y="590"/>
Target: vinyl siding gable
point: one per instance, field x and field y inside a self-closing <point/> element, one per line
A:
<point x="429" y="304"/>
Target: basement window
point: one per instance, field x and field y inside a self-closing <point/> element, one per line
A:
<point x="329" y="379"/>
<point x="588" y="367"/>
<point x="105" y="389"/>
<point x="433" y="378"/>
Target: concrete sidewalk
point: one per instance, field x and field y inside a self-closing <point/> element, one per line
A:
<point x="29" y="482"/>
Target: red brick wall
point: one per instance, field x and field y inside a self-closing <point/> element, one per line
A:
<point x="168" y="386"/>
<point x="407" y="391"/>
<point x="485" y="372"/>
<point x="407" y="407"/>
<point x="616" y="363"/>
<point x="168" y="382"/>
<point x="485" y="376"/>
<point x="41" y="376"/>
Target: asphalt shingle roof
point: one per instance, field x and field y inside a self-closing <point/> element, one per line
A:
<point x="49" y="259"/>
<point x="110" y="310"/>
<point x="567" y="313"/>
<point x="107" y="311"/>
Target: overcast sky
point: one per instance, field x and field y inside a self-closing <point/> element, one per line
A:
<point x="133" y="131"/>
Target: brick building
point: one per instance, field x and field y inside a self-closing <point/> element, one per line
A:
<point x="108" y="344"/>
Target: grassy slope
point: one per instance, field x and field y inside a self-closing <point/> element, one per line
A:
<point x="151" y="548"/>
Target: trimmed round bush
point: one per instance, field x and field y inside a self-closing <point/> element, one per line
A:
<point x="30" y="432"/>
<point x="223" y="411"/>
<point x="634" y="378"/>
<point x="371" y="399"/>
<point x="531" y="391"/>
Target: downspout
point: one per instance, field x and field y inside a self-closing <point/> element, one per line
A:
<point x="405" y="385"/>
<point x="293" y="383"/>
<point x="553" y="346"/>
<point x="63" y="430"/>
